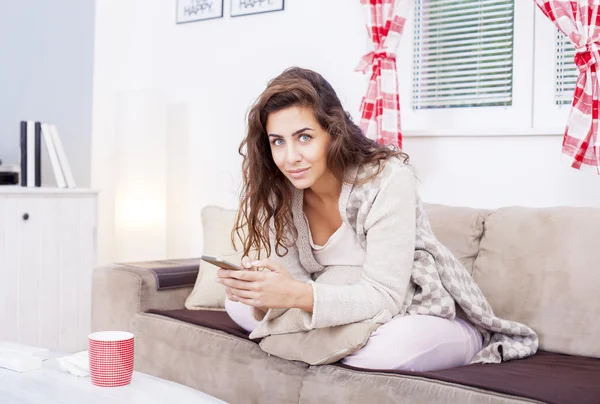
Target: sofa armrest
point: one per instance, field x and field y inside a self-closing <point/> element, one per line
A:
<point x="121" y="291"/>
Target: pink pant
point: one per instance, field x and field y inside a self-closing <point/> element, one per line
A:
<point x="412" y="342"/>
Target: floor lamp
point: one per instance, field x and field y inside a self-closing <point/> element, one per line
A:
<point x="140" y="191"/>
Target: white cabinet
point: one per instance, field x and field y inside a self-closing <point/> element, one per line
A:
<point x="47" y="254"/>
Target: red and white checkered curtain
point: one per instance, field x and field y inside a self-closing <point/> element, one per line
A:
<point x="380" y="108"/>
<point x="580" y="22"/>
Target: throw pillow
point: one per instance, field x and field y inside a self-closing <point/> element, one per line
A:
<point x="217" y="223"/>
<point x="323" y="346"/>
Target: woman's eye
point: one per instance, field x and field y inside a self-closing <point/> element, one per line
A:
<point x="304" y="138"/>
<point x="276" y="142"/>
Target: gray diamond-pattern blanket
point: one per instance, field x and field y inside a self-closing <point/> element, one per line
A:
<point x="442" y="281"/>
<point x="439" y="281"/>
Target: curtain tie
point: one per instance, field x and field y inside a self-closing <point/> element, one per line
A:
<point x="369" y="59"/>
<point x="586" y="56"/>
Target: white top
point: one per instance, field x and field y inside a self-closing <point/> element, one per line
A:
<point x="342" y="248"/>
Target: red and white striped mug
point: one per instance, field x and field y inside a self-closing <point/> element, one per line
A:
<point x="111" y="358"/>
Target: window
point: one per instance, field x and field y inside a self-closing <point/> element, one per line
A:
<point x="566" y="70"/>
<point x="463" y="67"/>
<point x="553" y="77"/>
<point x="463" y="53"/>
<point x="484" y="67"/>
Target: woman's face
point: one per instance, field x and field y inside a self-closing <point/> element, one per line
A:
<point x="298" y="145"/>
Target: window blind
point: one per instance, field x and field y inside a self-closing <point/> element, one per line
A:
<point x="566" y="70"/>
<point x="463" y="53"/>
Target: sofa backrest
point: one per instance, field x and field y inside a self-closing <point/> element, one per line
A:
<point x="458" y="228"/>
<point x="538" y="266"/>
<point x="541" y="266"/>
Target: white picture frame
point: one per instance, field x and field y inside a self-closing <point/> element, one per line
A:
<point x="198" y="10"/>
<point x="240" y="8"/>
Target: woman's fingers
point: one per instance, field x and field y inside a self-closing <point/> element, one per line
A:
<point x="237" y="284"/>
<point x="246" y="276"/>
<point x="266" y="263"/>
<point x="226" y="273"/>
<point x="230" y="295"/>
<point x="245" y="294"/>
<point x="246" y="262"/>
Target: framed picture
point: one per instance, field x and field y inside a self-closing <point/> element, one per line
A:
<point x="246" y="7"/>
<point x="198" y="10"/>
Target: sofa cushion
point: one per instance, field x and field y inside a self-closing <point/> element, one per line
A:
<point x="216" y="320"/>
<point x="458" y="228"/>
<point x="308" y="347"/>
<point x="335" y="384"/>
<point x="227" y="367"/>
<point x="546" y="377"/>
<point x="217" y="223"/>
<point x="540" y="267"/>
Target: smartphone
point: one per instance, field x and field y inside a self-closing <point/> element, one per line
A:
<point x="221" y="263"/>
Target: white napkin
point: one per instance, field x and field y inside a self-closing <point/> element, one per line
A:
<point x="77" y="364"/>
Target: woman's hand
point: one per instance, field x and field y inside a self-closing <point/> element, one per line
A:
<point x="265" y="289"/>
<point x="246" y="264"/>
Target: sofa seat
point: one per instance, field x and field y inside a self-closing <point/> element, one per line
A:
<point x="546" y="377"/>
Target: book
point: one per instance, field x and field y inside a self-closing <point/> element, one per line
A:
<point x="53" y="155"/>
<point x="23" y="162"/>
<point x="62" y="157"/>
<point x="30" y="154"/>
<point x="38" y="154"/>
<point x="32" y="134"/>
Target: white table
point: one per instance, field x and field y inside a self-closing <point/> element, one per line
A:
<point x="51" y="385"/>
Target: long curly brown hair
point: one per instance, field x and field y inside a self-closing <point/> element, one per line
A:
<point x="266" y="193"/>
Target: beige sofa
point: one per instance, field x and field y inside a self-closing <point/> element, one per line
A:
<point x="537" y="266"/>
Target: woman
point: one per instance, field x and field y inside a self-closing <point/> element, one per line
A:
<point x="347" y="239"/>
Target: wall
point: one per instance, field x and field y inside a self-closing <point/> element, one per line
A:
<point x="211" y="72"/>
<point x="490" y="172"/>
<point x="46" y="54"/>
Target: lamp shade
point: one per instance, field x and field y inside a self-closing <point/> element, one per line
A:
<point x="141" y="175"/>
